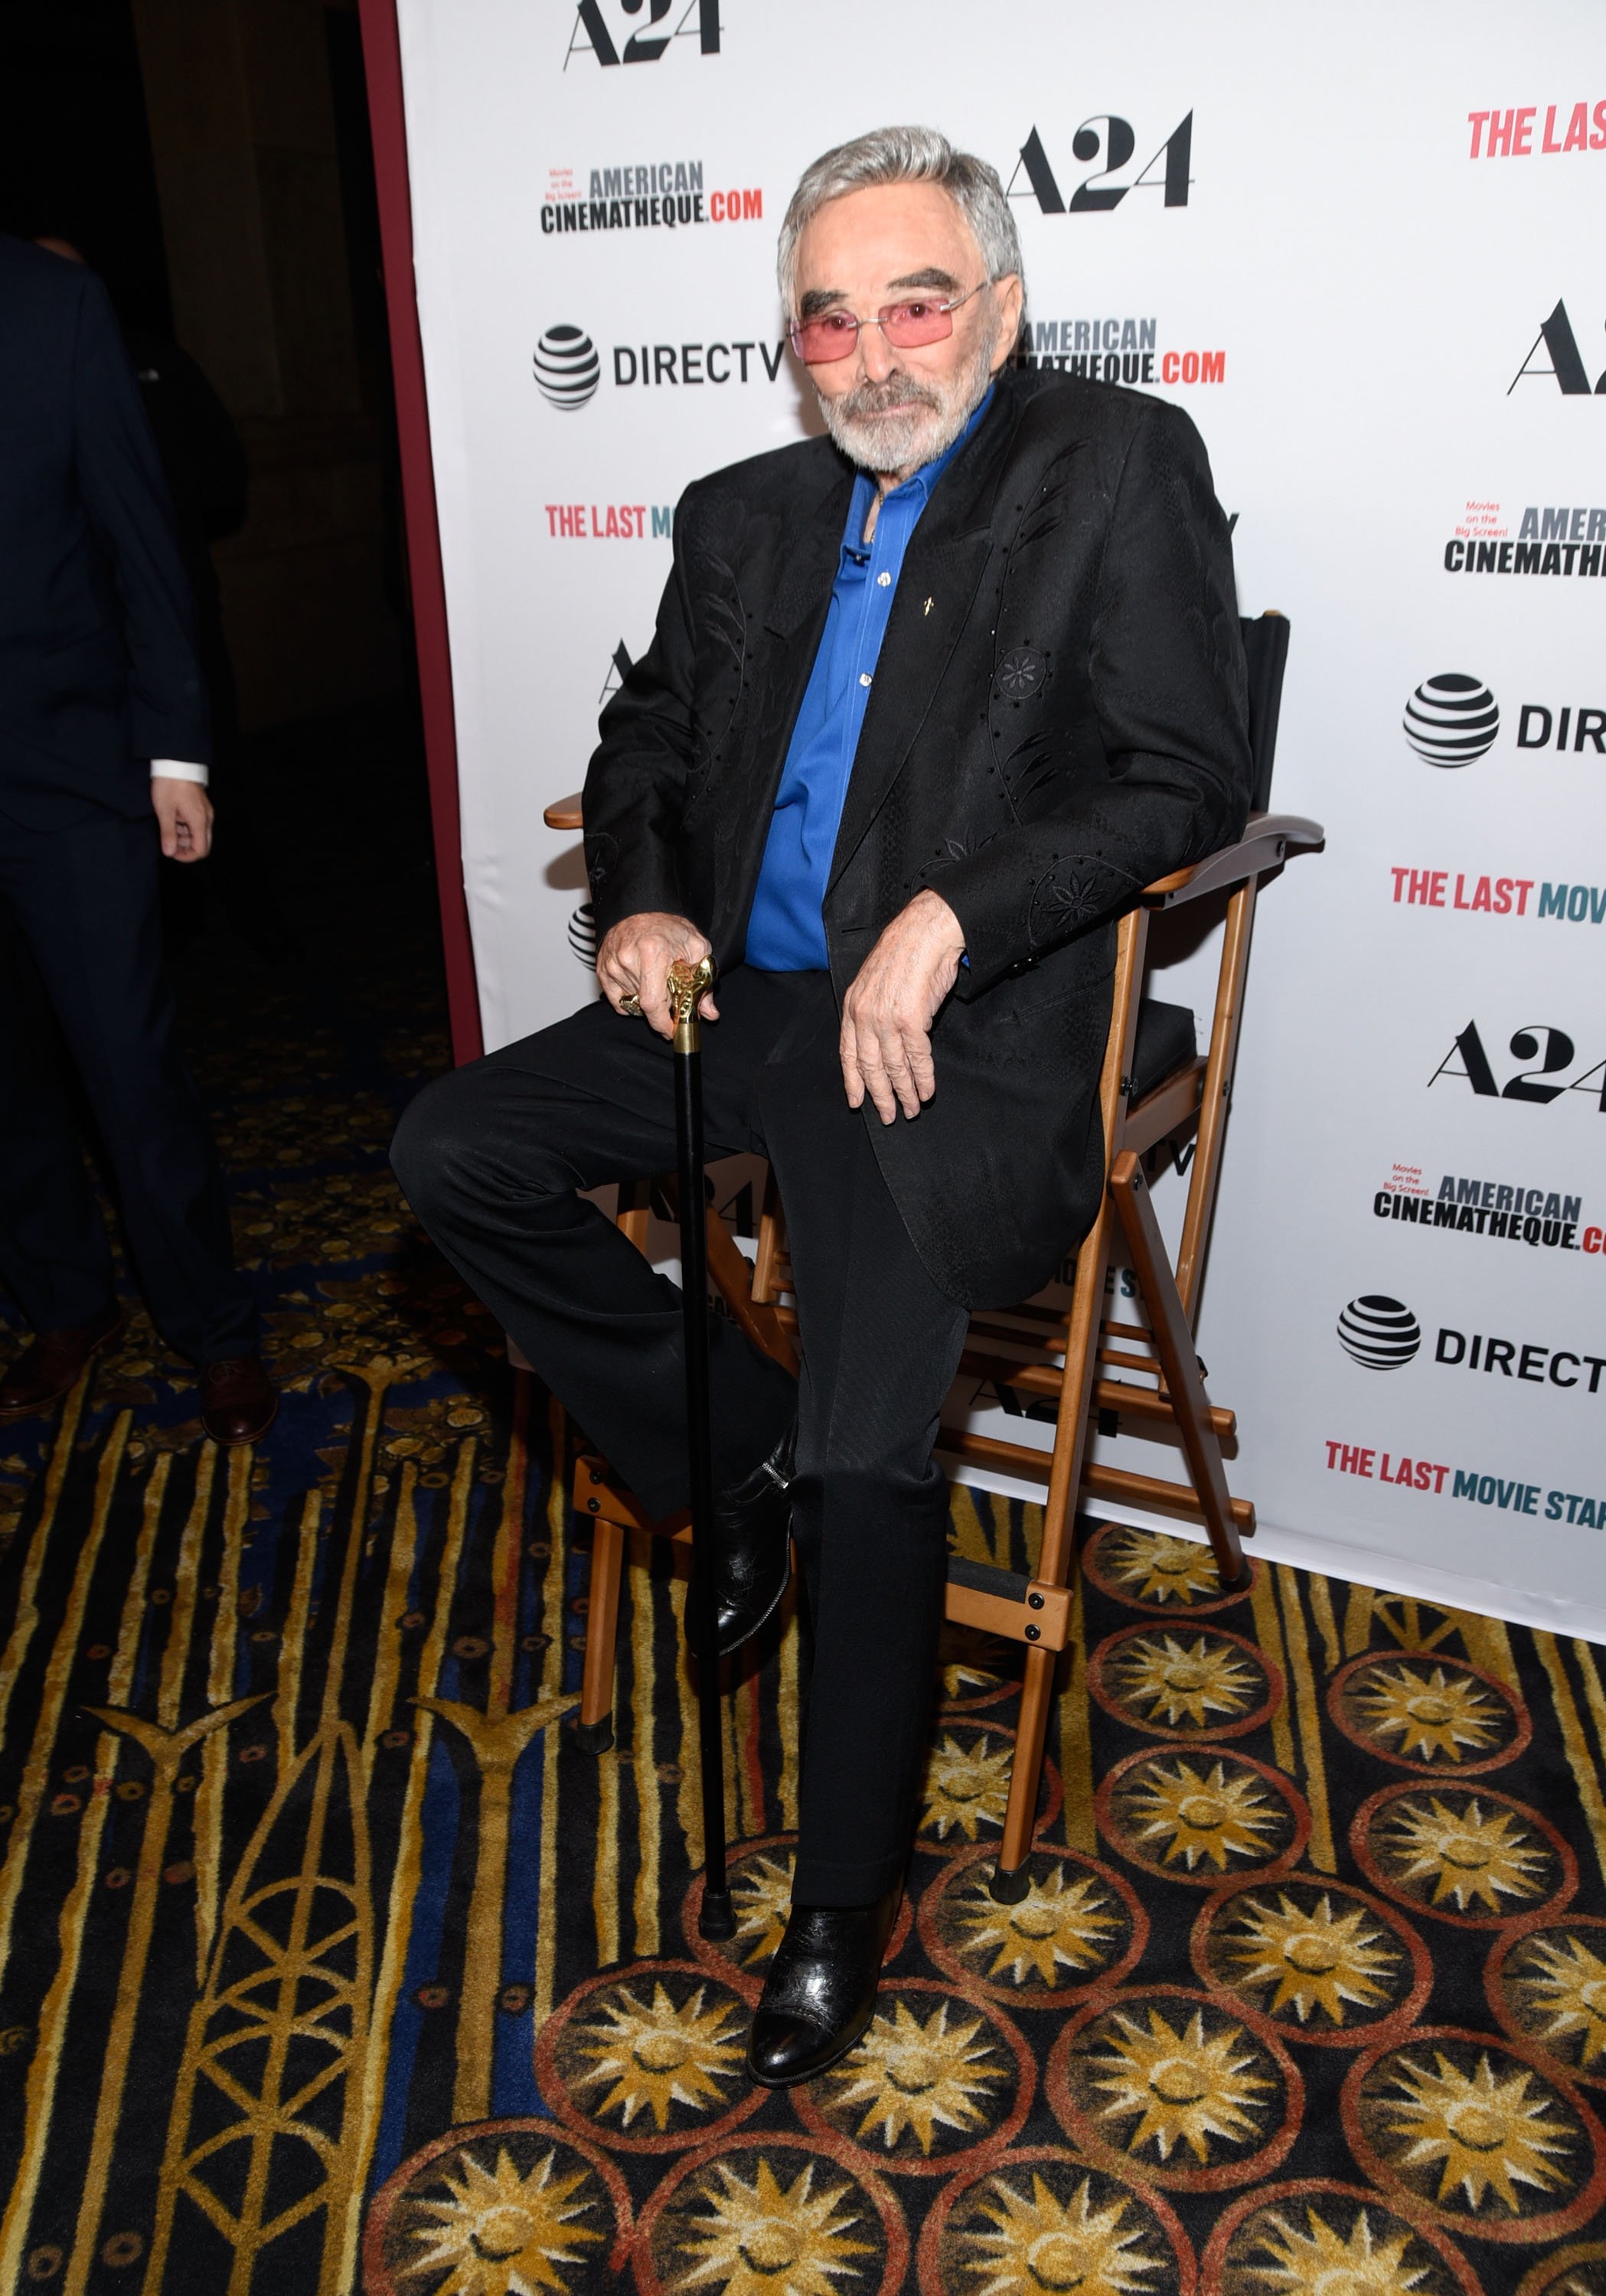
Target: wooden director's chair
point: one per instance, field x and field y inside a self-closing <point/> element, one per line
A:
<point x="1145" y="1378"/>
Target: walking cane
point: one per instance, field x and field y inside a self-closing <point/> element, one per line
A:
<point x="688" y="985"/>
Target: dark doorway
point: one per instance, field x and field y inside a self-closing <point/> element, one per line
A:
<point x="75" y="153"/>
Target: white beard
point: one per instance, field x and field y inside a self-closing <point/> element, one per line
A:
<point x="930" y="416"/>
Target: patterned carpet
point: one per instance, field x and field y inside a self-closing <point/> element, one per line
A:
<point x="328" y="1962"/>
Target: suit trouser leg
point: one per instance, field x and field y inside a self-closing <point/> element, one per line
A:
<point x="54" y="1259"/>
<point x="86" y="900"/>
<point x="880" y="1346"/>
<point x="490" y="1158"/>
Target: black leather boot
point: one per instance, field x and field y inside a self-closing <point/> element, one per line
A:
<point x="821" y="1993"/>
<point x="753" y="1551"/>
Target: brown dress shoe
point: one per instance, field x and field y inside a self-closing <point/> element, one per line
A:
<point x="238" y="1400"/>
<point x="50" y="1364"/>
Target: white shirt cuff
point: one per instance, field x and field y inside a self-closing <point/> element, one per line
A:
<point x="174" y="770"/>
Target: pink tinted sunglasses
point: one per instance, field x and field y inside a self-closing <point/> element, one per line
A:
<point x="818" y="342"/>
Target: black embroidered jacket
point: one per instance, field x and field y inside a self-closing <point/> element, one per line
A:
<point x="1058" y="717"/>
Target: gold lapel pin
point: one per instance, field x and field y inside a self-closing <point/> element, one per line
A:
<point x="926" y="609"/>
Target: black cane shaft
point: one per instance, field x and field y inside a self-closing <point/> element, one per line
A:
<point x="699" y="1444"/>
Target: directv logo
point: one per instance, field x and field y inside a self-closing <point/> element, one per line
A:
<point x="567" y="369"/>
<point x="1452" y="719"/>
<point x="1379" y="1332"/>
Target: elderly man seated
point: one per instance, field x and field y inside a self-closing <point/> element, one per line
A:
<point x="929" y="699"/>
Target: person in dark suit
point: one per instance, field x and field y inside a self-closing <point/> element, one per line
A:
<point x="207" y="480"/>
<point x="104" y="750"/>
<point x="930" y="699"/>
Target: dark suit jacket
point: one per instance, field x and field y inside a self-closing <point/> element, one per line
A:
<point x="1058" y="717"/>
<point x="97" y="660"/>
<point x="208" y="478"/>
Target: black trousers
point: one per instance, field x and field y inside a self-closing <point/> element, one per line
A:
<point x="80" y="935"/>
<point x="490" y="1158"/>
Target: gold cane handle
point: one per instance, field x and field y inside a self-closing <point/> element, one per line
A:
<point x="688" y="984"/>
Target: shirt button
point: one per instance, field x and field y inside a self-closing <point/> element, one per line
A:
<point x="864" y="677"/>
<point x="883" y="580"/>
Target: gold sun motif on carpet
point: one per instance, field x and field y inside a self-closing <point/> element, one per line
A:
<point x="1200" y="1816"/>
<point x="762" y="2238"/>
<point x="1176" y="1682"/>
<point x="762" y="1895"/>
<point x="1476" y="1854"/>
<point x="915" y="2078"/>
<point x="1313" y="1957"/>
<point x="1565" y="1983"/>
<point x="1584" y="2282"/>
<point x="964" y="1676"/>
<point x="967" y="1786"/>
<point x="1432" y="1716"/>
<point x="1063" y="1921"/>
<point x="1484" y="2131"/>
<point x="504" y="2234"/>
<point x="1154" y="1566"/>
<point x="1361" y="2262"/>
<point x="1186" y="2086"/>
<point x="963" y="1665"/>
<point x="1045" y="2242"/>
<point x="661" y="2053"/>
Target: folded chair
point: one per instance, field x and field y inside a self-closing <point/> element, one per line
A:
<point x="1156" y="1089"/>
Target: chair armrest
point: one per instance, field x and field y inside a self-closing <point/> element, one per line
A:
<point x="1268" y="838"/>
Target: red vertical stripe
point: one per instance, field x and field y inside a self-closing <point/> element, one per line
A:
<point x="381" y="55"/>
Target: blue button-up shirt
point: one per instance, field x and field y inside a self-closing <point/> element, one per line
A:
<point x="786" y="929"/>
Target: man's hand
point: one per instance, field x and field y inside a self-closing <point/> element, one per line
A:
<point x="635" y="958"/>
<point x="886" y="1015"/>
<point x="184" y="811"/>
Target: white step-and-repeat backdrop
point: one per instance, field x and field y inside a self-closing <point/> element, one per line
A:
<point x="1360" y="245"/>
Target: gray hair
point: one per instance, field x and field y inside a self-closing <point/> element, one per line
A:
<point x="903" y="155"/>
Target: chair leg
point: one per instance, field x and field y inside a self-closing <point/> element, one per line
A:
<point x="1215" y="1098"/>
<point x="733" y="1278"/>
<point x="1011" y="1881"/>
<point x="1173" y="1345"/>
<point x="594" y="1727"/>
<point x="634" y="1216"/>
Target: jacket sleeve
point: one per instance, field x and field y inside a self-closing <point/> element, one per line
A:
<point x="1169" y="692"/>
<point x="635" y="792"/>
<point x="125" y="496"/>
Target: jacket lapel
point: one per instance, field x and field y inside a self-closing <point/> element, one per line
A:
<point x="936" y="588"/>
<point x="935" y="591"/>
<point x="807" y="551"/>
<point x="800" y="561"/>
<point x="937" y="585"/>
<point x="807" y="548"/>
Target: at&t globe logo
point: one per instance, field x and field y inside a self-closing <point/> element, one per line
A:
<point x="567" y="369"/>
<point x="1452" y="719"/>
<point x="582" y="935"/>
<point x="1379" y="1332"/>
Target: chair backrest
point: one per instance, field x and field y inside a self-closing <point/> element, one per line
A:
<point x="1266" y="647"/>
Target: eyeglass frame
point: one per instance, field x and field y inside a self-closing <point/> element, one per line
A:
<point x="794" y="327"/>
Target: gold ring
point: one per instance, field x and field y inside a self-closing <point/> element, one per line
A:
<point x="630" y="1003"/>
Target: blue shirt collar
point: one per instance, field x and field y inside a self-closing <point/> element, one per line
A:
<point x="917" y="487"/>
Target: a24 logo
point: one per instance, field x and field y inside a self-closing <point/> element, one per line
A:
<point x="1543" y="1052"/>
<point x="590" y="34"/>
<point x="1112" y="143"/>
<point x="1562" y="363"/>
